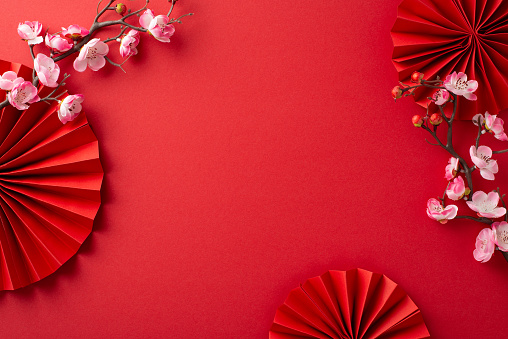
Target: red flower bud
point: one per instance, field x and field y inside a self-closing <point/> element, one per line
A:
<point x="417" y="77"/>
<point x="396" y="92"/>
<point x="121" y="8"/>
<point x="417" y="121"/>
<point x="436" y="119"/>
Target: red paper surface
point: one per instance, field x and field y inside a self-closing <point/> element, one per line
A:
<point x="438" y="37"/>
<point x="259" y="148"/>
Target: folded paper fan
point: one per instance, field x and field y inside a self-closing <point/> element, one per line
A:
<point x="50" y="179"/>
<point x="348" y="304"/>
<point x="437" y="37"/>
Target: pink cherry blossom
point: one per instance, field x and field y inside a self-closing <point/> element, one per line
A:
<point x="75" y="32"/>
<point x="441" y="97"/>
<point x="458" y="84"/>
<point x="70" y="107"/>
<point x="456" y="189"/>
<point x="128" y="44"/>
<point x="91" y="55"/>
<point x="481" y="158"/>
<point x="476" y="117"/>
<point x="158" y="26"/>
<point x="57" y="44"/>
<point x="436" y="211"/>
<point x="47" y="70"/>
<point x="500" y="230"/>
<point x="486" y="205"/>
<point x="29" y="32"/>
<point x="452" y="168"/>
<point x="485" y="245"/>
<point x="494" y="125"/>
<point x="22" y="93"/>
<point x="7" y="80"/>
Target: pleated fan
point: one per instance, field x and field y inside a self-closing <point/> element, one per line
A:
<point x="348" y="304"/>
<point x="437" y="37"/>
<point x="50" y="180"/>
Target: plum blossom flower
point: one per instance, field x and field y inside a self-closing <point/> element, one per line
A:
<point x="47" y="70"/>
<point x="158" y="26"/>
<point x="441" y="96"/>
<point x="7" y="80"/>
<point x="458" y="84"/>
<point x="128" y="44"/>
<point x="75" y="32"/>
<point x="481" y="159"/>
<point x="22" y="93"/>
<point x="91" y="55"/>
<point x="500" y="230"/>
<point x="486" y="205"/>
<point x="494" y="125"/>
<point x="436" y="211"/>
<point x="452" y="168"/>
<point x="476" y="117"/>
<point x="457" y="189"/>
<point x="56" y="43"/>
<point x="70" y="107"/>
<point x="29" y="32"/>
<point x="485" y="245"/>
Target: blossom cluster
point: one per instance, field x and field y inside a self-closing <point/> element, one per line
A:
<point x="91" y="52"/>
<point x="458" y="171"/>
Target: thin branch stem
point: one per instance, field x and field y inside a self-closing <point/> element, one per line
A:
<point x="50" y="95"/>
<point x="479" y="133"/>
<point x="502" y="151"/>
<point x="482" y="219"/>
<point x="116" y="64"/>
<point x="179" y="18"/>
<point x="172" y="5"/>
<point x="118" y="36"/>
<point x="502" y="201"/>
<point x="444" y="195"/>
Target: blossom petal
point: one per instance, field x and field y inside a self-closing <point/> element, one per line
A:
<point x="97" y="63"/>
<point x="80" y="64"/>
<point x="146" y="18"/>
<point x="486" y="174"/>
<point x="484" y="150"/>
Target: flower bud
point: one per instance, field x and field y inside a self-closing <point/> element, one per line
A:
<point x="121" y="8"/>
<point x="417" y="77"/>
<point x="436" y="119"/>
<point x="417" y="121"/>
<point x="396" y="92"/>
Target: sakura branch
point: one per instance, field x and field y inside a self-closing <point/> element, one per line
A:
<point x="485" y="205"/>
<point x="92" y="53"/>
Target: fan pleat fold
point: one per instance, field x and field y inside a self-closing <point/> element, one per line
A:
<point x="50" y="181"/>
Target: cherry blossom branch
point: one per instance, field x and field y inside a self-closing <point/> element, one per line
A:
<point x="484" y="204"/>
<point x="76" y="39"/>
<point x="449" y="137"/>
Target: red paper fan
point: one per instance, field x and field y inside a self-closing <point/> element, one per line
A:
<point x="348" y="304"/>
<point x="50" y="179"/>
<point x="437" y="37"/>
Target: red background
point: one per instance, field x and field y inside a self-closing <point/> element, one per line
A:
<point x="259" y="148"/>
